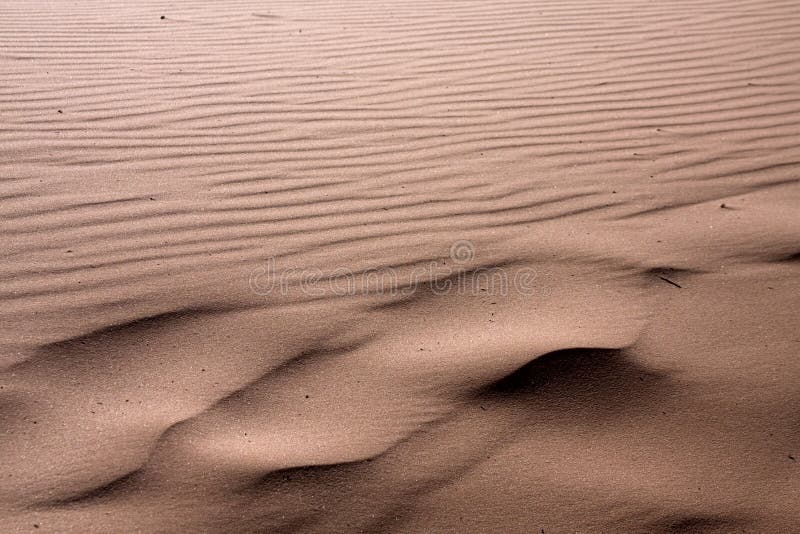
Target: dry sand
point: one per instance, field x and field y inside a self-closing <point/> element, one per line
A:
<point x="610" y="189"/>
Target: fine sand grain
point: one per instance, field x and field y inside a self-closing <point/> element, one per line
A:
<point x="409" y="266"/>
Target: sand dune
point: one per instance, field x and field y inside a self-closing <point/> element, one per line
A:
<point x="442" y="266"/>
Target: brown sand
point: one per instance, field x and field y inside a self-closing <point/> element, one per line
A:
<point x="630" y="169"/>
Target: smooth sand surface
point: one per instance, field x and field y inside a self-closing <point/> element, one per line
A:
<point x="536" y="264"/>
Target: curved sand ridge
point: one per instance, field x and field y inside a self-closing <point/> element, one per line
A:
<point x="609" y="189"/>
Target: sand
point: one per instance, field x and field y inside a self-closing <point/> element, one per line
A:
<point x="418" y="266"/>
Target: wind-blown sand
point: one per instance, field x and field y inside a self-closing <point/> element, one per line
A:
<point x="229" y="232"/>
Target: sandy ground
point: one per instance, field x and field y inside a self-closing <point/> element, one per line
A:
<point x="414" y="266"/>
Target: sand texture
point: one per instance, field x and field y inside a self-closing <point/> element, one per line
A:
<point x="414" y="266"/>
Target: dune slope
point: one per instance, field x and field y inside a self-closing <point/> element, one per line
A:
<point x="440" y="266"/>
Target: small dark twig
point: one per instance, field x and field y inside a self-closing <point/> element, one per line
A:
<point x="667" y="280"/>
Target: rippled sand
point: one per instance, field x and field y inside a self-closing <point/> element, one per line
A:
<point x="414" y="266"/>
